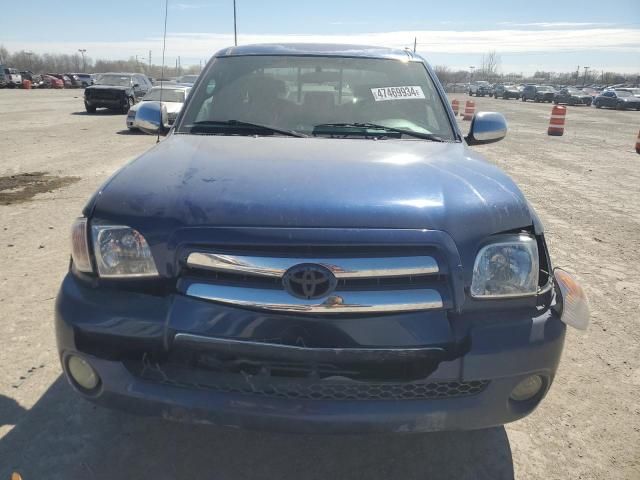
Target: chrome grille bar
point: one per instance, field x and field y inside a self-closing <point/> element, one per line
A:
<point x="340" y="267"/>
<point x="337" y="302"/>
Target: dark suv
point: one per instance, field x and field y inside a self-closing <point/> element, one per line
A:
<point x="572" y="96"/>
<point x="538" y="93"/>
<point x="116" y="91"/>
<point x="315" y="247"/>
<point x="506" y="91"/>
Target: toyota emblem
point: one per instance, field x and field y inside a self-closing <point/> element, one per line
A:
<point x="309" y="281"/>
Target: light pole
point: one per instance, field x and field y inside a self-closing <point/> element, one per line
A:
<point x="82" y="52"/>
<point x="584" y="81"/>
<point x="471" y="69"/>
<point x="28" y="54"/>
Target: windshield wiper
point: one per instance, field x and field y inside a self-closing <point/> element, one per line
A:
<point x="201" y="127"/>
<point x="375" y="126"/>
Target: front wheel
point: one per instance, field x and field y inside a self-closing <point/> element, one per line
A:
<point x="597" y="104"/>
<point x="89" y="108"/>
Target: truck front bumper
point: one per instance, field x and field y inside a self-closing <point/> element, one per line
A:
<point x="469" y="391"/>
<point x="116" y="103"/>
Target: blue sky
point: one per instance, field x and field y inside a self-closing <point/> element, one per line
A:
<point x="531" y="35"/>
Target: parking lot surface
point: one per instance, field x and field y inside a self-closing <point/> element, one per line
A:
<point x="584" y="185"/>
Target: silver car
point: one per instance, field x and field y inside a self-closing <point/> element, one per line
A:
<point x="173" y="97"/>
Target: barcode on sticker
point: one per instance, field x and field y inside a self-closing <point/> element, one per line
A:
<point x="382" y="94"/>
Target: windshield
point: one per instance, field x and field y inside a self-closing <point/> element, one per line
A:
<point x="300" y="93"/>
<point x="116" y="80"/>
<point x="623" y="93"/>
<point x="575" y="91"/>
<point x="168" y="95"/>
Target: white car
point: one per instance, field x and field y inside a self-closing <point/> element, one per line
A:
<point x="173" y="97"/>
<point x="13" y="77"/>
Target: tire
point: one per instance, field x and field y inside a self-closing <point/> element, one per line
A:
<point x="127" y="105"/>
<point x="505" y="97"/>
<point x="524" y="99"/>
<point x="89" y="108"/>
<point x="597" y="104"/>
<point x="556" y="102"/>
<point x="619" y="106"/>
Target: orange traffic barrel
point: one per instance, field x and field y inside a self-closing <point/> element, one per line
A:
<point x="638" y="143"/>
<point x="26" y="84"/>
<point x="556" y="122"/>
<point x="469" y="110"/>
<point x="455" y="105"/>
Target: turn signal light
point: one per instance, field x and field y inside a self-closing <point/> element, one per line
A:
<point x="573" y="304"/>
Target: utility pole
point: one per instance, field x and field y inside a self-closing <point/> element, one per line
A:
<point x="235" y="25"/>
<point x="82" y="52"/>
<point x="577" y="74"/>
<point x="415" y="44"/>
<point x="149" y="62"/>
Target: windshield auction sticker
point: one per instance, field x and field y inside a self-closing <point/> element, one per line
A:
<point x="382" y="94"/>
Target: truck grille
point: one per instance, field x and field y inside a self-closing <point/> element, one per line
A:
<point x="370" y="281"/>
<point x="104" y="95"/>
<point x="328" y="389"/>
<point x="363" y="391"/>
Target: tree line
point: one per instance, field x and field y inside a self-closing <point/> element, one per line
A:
<point x="65" y="63"/>
<point x="488" y="69"/>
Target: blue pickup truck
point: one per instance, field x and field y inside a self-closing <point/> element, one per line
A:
<point x="314" y="247"/>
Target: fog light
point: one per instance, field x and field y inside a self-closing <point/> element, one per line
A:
<point x="82" y="373"/>
<point x="527" y="388"/>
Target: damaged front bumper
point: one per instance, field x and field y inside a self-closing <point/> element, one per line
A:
<point x="192" y="360"/>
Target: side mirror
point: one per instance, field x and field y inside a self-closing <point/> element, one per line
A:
<point x="151" y="118"/>
<point x="486" y="127"/>
<point x="136" y="85"/>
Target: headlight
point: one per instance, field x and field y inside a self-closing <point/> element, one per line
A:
<point x="506" y="269"/>
<point x="122" y="252"/>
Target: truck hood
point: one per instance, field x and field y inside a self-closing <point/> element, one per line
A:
<point x="190" y="181"/>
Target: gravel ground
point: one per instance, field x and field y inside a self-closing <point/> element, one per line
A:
<point x="584" y="185"/>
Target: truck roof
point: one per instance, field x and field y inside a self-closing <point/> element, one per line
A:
<point x="319" y="49"/>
